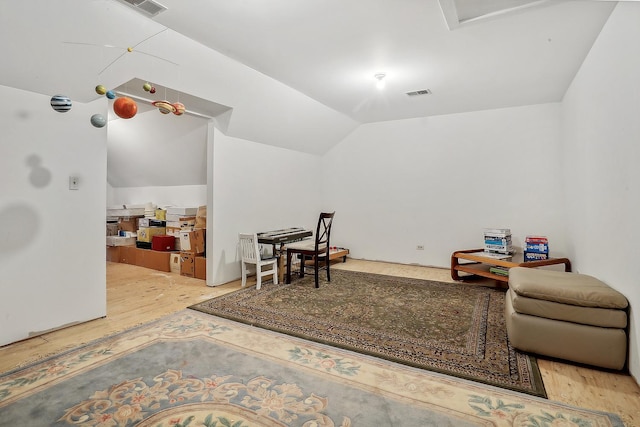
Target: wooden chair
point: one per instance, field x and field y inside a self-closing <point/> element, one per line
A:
<point x="316" y="248"/>
<point x="250" y="253"/>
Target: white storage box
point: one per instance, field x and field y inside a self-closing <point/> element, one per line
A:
<point x="174" y="263"/>
<point x="125" y="212"/>
<point x="182" y="211"/>
<point x="120" y="241"/>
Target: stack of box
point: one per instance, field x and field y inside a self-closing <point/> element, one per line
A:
<point x="180" y="219"/>
<point x="163" y="231"/>
<point x="536" y="248"/>
<point x="201" y="227"/>
<point x="192" y="247"/>
<point x="498" y="240"/>
<point x="147" y="229"/>
<point x="190" y="241"/>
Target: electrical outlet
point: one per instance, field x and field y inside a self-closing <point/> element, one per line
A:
<point x="74" y="183"/>
<point x="420" y="248"/>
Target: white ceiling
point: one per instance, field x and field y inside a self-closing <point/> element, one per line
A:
<point x="331" y="49"/>
<point x="315" y="63"/>
<point x="328" y="50"/>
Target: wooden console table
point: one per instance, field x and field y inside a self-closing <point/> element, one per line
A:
<point x="479" y="264"/>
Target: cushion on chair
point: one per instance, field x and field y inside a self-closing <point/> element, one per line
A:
<point x="565" y="288"/>
<point x="603" y="317"/>
<point x="306" y="245"/>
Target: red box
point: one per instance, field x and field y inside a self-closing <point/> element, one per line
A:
<point x="163" y="242"/>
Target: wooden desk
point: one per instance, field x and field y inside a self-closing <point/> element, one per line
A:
<point x="480" y="264"/>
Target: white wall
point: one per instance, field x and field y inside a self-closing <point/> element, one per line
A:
<point x="154" y="149"/>
<point x="439" y="181"/>
<point x="258" y="187"/>
<point x="179" y="195"/>
<point x="601" y="139"/>
<point x="52" y="252"/>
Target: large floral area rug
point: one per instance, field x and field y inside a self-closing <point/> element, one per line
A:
<point x="193" y="369"/>
<point x="453" y="328"/>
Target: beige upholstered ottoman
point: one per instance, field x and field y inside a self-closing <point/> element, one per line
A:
<point x="566" y="315"/>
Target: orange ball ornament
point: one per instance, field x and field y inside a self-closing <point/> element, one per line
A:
<point x="125" y="107"/>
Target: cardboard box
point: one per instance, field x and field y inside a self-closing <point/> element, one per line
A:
<point x="188" y="221"/>
<point x="174" y="231"/>
<point x="201" y="217"/>
<point x="112" y="229"/>
<point x="113" y="253"/>
<point x="128" y="254"/>
<point x="201" y="268"/>
<point x="145" y="234"/>
<point x="187" y="264"/>
<point x="174" y="263"/>
<point x="128" y="224"/>
<point x="154" y="260"/>
<point x="192" y="241"/>
<point x="163" y="242"/>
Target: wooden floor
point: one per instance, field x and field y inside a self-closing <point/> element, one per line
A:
<point x="137" y="295"/>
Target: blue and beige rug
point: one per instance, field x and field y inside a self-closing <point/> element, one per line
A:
<point x="194" y="369"/>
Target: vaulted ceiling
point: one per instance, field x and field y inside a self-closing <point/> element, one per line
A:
<point x="471" y="54"/>
<point x="322" y="55"/>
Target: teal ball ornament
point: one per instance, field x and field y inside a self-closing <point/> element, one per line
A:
<point x="61" y="103"/>
<point x="98" y="120"/>
<point x="111" y="94"/>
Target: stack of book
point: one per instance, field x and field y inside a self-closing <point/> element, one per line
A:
<point x="500" y="271"/>
<point x="536" y="248"/>
<point x="498" y="240"/>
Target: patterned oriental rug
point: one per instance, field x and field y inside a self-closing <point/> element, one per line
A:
<point x="193" y="369"/>
<point x="453" y="328"/>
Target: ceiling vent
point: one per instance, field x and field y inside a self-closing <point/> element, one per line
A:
<point x="147" y="7"/>
<point x="419" y="92"/>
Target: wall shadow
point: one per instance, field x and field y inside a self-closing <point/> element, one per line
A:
<point x="39" y="176"/>
<point x="20" y="226"/>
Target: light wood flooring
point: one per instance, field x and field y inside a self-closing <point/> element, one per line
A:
<point x="136" y="295"/>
